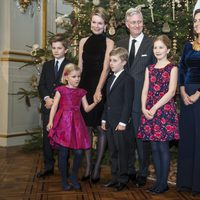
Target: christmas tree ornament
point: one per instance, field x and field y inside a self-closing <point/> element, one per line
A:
<point x="166" y="28"/>
<point x="151" y="9"/>
<point x="96" y="2"/>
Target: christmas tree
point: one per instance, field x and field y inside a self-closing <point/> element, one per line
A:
<point x="171" y="17"/>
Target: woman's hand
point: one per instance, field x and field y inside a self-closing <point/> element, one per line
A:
<point x="194" y="97"/>
<point x="185" y="97"/>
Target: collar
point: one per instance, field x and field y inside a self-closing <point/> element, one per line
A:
<point x="118" y="73"/>
<point x="138" y="38"/>
<point x="60" y="60"/>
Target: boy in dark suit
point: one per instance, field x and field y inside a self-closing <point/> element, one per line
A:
<point x="49" y="80"/>
<point x="116" y="117"/>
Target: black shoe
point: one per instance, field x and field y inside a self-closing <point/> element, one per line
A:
<point x="110" y="184"/>
<point x="151" y="189"/>
<point x="44" y="173"/>
<point x="95" y="180"/>
<point x="141" y="181"/>
<point x="85" y="178"/>
<point x="159" y="191"/>
<point x="119" y="187"/>
<point x="132" y="177"/>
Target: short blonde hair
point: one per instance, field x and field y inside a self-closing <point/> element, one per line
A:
<point x="67" y="69"/>
<point x="121" y="52"/>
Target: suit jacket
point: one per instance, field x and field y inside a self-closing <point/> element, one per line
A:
<point x="143" y="58"/>
<point x="119" y="100"/>
<point x="48" y="82"/>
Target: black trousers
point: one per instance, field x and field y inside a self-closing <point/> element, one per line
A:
<point x="47" y="149"/>
<point x="118" y="150"/>
<point x="143" y="148"/>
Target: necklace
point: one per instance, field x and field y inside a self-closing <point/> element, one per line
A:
<point x="196" y="45"/>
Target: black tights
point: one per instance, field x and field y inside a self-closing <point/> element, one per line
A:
<point x="101" y="145"/>
<point x="63" y="154"/>
<point x="161" y="158"/>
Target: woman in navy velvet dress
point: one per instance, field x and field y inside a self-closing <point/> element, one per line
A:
<point x="188" y="173"/>
<point x="94" y="62"/>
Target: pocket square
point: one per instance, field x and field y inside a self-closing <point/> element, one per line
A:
<point x="143" y="55"/>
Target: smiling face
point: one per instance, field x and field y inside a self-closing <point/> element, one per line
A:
<point x="116" y="64"/>
<point x="160" y="50"/>
<point x="73" y="78"/>
<point x="58" y="50"/>
<point x="97" y="25"/>
<point x="135" y="24"/>
<point x="196" y="23"/>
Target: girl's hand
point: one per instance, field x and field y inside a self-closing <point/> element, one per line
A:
<point x="152" y="111"/>
<point x="147" y="114"/>
<point x="120" y="128"/>
<point x="49" y="126"/>
<point x="97" y="96"/>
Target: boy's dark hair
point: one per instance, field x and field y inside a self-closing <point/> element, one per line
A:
<point x="60" y="37"/>
<point x="121" y="52"/>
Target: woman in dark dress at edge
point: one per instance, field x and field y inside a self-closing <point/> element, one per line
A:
<point x="188" y="172"/>
<point x="94" y="62"/>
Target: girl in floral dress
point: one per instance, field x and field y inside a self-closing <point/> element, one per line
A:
<point x="159" y="122"/>
<point x="66" y="124"/>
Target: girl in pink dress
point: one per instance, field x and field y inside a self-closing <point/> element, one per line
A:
<point x="159" y="122"/>
<point x="66" y="124"/>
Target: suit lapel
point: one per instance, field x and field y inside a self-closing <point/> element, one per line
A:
<point x="61" y="69"/>
<point x="119" y="78"/>
<point x="142" y="48"/>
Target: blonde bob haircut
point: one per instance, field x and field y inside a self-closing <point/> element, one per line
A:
<point x="67" y="70"/>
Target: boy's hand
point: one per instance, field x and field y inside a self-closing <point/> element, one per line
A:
<point x="48" y="103"/>
<point x="120" y="128"/>
<point x="103" y="126"/>
<point x="49" y="126"/>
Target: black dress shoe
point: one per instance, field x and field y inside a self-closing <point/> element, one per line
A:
<point x="119" y="187"/>
<point x="110" y="184"/>
<point x="141" y="181"/>
<point x="95" y="180"/>
<point x="132" y="177"/>
<point x="85" y="178"/>
<point x="44" y="173"/>
<point x="159" y="191"/>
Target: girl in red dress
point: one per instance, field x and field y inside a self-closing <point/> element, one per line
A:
<point x="66" y="124"/>
<point x="159" y="122"/>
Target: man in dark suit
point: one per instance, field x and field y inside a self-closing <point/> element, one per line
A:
<point x="140" y="56"/>
<point x="50" y="78"/>
<point x="116" y="117"/>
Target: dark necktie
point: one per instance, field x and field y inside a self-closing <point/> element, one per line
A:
<point x="132" y="53"/>
<point x="112" y="78"/>
<point x="56" y="68"/>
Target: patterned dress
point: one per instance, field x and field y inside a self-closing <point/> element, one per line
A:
<point x="164" y="125"/>
<point x="69" y="129"/>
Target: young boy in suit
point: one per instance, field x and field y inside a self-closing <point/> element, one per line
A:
<point x="116" y="117"/>
<point x="49" y="80"/>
